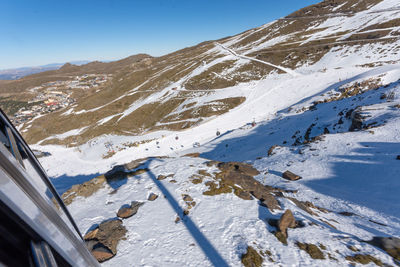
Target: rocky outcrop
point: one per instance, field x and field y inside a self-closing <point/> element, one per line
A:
<point x="117" y="173"/>
<point x="85" y="190"/>
<point x="389" y="244"/>
<point x="238" y="167"/>
<point x="127" y="211"/>
<point x="103" y="240"/>
<point x="238" y="177"/>
<point x="312" y="250"/>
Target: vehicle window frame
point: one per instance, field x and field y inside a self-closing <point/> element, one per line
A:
<point x="13" y="133"/>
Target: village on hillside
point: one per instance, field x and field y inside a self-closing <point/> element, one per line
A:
<point x="52" y="96"/>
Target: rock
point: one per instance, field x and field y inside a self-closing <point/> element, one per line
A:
<point x="187" y="198"/>
<point x="281" y="237"/>
<point x="389" y="244"/>
<point x="212" y="163"/>
<point x="312" y="250"/>
<point x="242" y="194"/>
<point x="268" y="200"/>
<point x="91" y="235"/>
<point x="251" y="258"/>
<point x="364" y="259"/>
<point x="102" y="253"/>
<point x="239" y="177"/>
<point x="238" y="167"/>
<point x="102" y="256"/>
<point x="398" y="157"/>
<point x="356" y="121"/>
<point x="271" y="150"/>
<point x="286" y="221"/>
<point x="152" y="197"/>
<point x="162" y="177"/>
<point x="103" y="240"/>
<point x="346" y="213"/>
<point x="288" y="175"/>
<point x="126" y="212"/>
<point x="192" y="155"/>
<point x="85" y="190"/>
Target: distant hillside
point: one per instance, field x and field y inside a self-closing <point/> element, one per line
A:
<point x="14" y="74"/>
<point x="194" y="85"/>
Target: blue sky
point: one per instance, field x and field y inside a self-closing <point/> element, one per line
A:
<point x="47" y="31"/>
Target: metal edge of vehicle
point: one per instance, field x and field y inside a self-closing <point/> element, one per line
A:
<point x="47" y="222"/>
<point x="43" y="175"/>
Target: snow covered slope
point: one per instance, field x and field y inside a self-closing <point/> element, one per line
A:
<point x="343" y="142"/>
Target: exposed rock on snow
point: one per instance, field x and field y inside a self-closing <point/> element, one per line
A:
<point x="271" y="150"/>
<point x="152" y="197"/>
<point x="286" y="221"/>
<point x="364" y="259"/>
<point x="193" y="155"/>
<point x="356" y="121"/>
<point x="251" y="258"/>
<point x="162" y="177"/>
<point x="85" y="190"/>
<point x="238" y="177"/>
<point x="288" y="175"/>
<point x="127" y="211"/>
<point x="103" y="240"/>
<point x="238" y="167"/>
<point x="312" y="250"/>
<point x="389" y="244"/>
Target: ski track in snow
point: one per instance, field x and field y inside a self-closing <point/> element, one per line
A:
<point x="289" y="71"/>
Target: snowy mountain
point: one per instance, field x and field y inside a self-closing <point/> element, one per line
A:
<point x="332" y="40"/>
<point x="274" y="147"/>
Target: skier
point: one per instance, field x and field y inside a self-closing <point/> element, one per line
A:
<point x="176" y="137"/>
<point x="218" y="133"/>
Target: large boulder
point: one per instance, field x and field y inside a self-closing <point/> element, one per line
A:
<point x="286" y="221"/>
<point x="103" y="240"/>
<point x="288" y="175"/>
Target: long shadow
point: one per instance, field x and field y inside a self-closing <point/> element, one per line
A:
<point x="211" y="253"/>
<point x="369" y="179"/>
